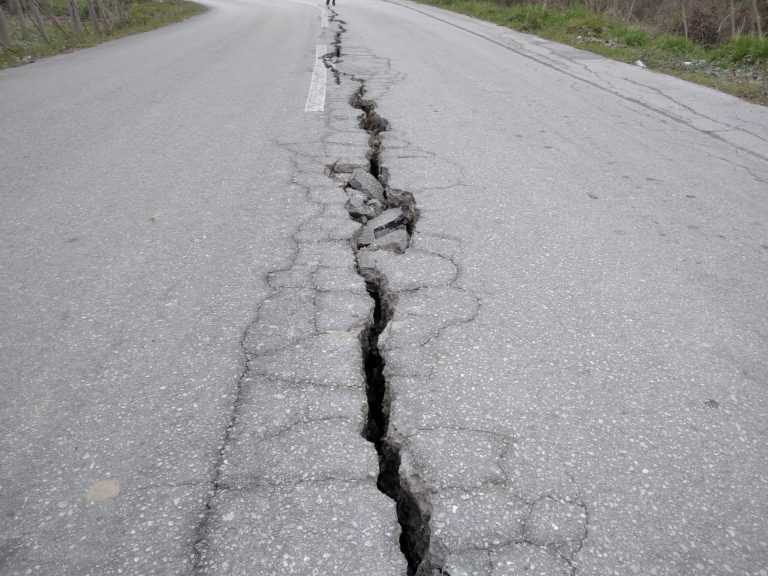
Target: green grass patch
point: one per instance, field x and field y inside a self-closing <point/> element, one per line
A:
<point x="141" y="16"/>
<point x="739" y="67"/>
<point x="675" y="45"/>
<point x="746" y="49"/>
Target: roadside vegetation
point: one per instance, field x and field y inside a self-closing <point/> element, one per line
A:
<point x="31" y="29"/>
<point x="718" y="43"/>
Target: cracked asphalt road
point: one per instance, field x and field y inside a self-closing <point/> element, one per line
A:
<point x="575" y="352"/>
<point x="178" y="306"/>
<point x="577" y="359"/>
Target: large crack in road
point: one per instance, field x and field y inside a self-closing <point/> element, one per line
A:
<point x="412" y="501"/>
<point x="387" y="223"/>
<point x="403" y="276"/>
<point x="329" y="338"/>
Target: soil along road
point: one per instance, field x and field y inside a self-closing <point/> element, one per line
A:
<point x="378" y="290"/>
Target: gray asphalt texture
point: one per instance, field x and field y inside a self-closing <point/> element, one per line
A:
<point x="577" y="358"/>
<point x="163" y="199"/>
<point x="578" y="354"/>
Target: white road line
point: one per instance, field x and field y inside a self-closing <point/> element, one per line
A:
<point x="316" y="96"/>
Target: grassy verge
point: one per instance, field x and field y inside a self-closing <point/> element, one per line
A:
<point x="141" y="16"/>
<point x="739" y="67"/>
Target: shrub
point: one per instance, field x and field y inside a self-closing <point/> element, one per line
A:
<point x="703" y="29"/>
<point x="677" y="44"/>
<point x="747" y="48"/>
<point x="635" y="38"/>
<point x="590" y="24"/>
<point x="531" y="18"/>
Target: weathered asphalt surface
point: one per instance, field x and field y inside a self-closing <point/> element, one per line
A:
<point x="576" y="354"/>
<point x="152" y="188"/>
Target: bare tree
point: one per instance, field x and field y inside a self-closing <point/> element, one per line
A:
<point x="106" y="17"/>
<point x="758" y="23"/>
<point x="5" y="36"/>
<point x="121" y="10"/>
<point x="93" y="16"/>
<point x="630" y="14"/>
<point x="34" y="9"/>
<point x="22" y="19"/>
<point x="112" y="11"/>
<point x="74" y="15"/>
<point x="685" y="19"/>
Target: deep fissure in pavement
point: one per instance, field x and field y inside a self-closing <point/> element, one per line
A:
<point x="413" y="511"/>
<point x="411" y="497"/>
<point x="412" y="515"/>
<point x="373" y="364"/>
<point x="374" y="125"/>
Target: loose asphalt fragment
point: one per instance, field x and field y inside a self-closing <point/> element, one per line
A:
<point x="388" y="230"/>
<point x="367" y="184"/>
<point x="393" y="240"/>
<point x="360" y="206"/>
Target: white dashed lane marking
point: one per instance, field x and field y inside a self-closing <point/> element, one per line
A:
<point x="316" y="96"/>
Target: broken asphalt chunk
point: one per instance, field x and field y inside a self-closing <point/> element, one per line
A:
<point x="368" y="185"/>
<point x="376" y="233"/>
<point x="394" y="240"/>
<point x="344" y="168"/>
<point x="359" y="205"/>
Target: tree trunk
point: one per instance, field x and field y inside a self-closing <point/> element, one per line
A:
<point x="19" y="11"/>
<point x="630" y="12"/>
<point x="74" y="15"/>
<point x="113" y="9"/>
<point x="106" y="17"/>
<point x="733" y="20"/>
<point x="122" y="12"/>
<point x="758" y="22"/>
<point x="35" y="11"/>
<point x="685" y="19"/>
<point x="93" y="16"/>
<point x="5" y="36"/>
